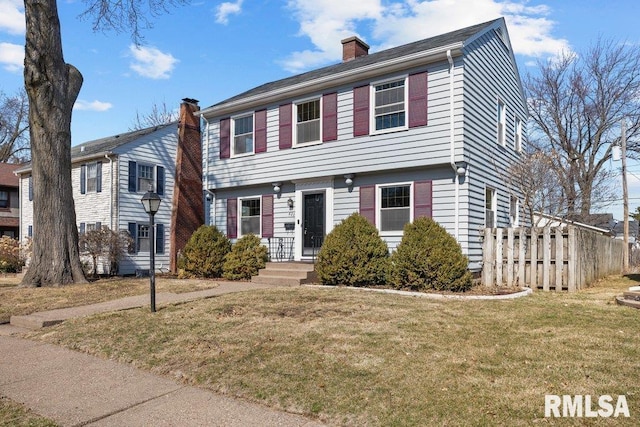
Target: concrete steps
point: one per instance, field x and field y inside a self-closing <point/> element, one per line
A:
<point x="286" y="274"/>
<point x="629" y="299"/>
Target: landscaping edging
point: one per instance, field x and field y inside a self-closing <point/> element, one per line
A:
<point x="520" y="294"/>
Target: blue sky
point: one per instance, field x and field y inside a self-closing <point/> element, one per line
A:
<point x="211" y="50"/>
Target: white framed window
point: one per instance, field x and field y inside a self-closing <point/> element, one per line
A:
<point x="4" y="199"/>
<point x="389" y="105"/>
<point x="250" y="215"/>
<point x="242" y="135"/>
<point x="92" y="177"/>
<point x="490" y="207"/>
<point x="143" y="243"/>
<point x="514" y="211"/>
<point x="502" y="123"/>
<point x="307" y="119"/>
<point x="395" y="202"/>
<point x="145" y="177"/>
<point x="517" y="140"/>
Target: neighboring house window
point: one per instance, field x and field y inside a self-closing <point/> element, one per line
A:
<point x="141" y="178"/>
<point x="395" y="207"/>
<point x="143" y="238"/>
<point x="308" y="122"/>
<point x="502" y="123"/>
<point x="4" y="199"/>
<point x="389" y="105"/>
<point x="91" y="178"/>
<point x="514" y="211"/>
<point x="140" y="236"/>
<point x="30" y="231"/>
<point x="30" y="185"/>
<point x="490" y="207"/>
<point x="250" y="216"/>
<point x="518" y="136"/>
<point x="145" y="177"/>
<point x="243" y="135"/>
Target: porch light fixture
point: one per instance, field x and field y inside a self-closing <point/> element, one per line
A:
<point x="348" y="179"/>
<point x="276" y="187"/>
<point x="290" y="203"/>
<point x="151" y="202"/>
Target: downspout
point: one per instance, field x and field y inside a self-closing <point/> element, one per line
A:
<point x="456" y="197"/>
<point x="205" y="181"/>
<point x="110" y="190"/>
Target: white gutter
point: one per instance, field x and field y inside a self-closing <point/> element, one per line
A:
<point x="110" y="190"/>
<point x="335" y="80"/>
<point x="456" y="198"/>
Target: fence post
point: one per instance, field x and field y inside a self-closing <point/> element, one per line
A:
<point x="521" y="257"/>
<point x="571" y="259"/>
<point x="546" y="257"/>
<point x="534" y="259"/>
<point x="487" y="257"/>
<point x="499" y="263"/>
<point x="510" y="251"/>
<point x="559" y="258"/>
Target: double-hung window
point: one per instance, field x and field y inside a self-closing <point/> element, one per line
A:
<point x="92" y="177"/>
<point x="502" y="123"/>
<point x="243" y="135"/>
<point x="308" y="122"/>
<point x="143" y="243"/>
<point x="490" y="207"/>
<point x="145" y="177"/>
<point x="395" y="207"/>
<point x="389" y="105"/>
<point x="250" y="216"/>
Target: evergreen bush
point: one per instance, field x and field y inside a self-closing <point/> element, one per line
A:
<point x="203" y="255"/>
<point x="428" y="257"/>
<point x="247" y="256"/>
<point x="353" y="254"/>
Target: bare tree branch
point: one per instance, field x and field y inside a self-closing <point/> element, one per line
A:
<point x="14" y="128"/>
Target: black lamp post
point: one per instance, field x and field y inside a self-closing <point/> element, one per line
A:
<point x="151" y="202"/>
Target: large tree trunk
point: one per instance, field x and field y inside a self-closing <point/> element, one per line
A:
<point x="52" y="86"/>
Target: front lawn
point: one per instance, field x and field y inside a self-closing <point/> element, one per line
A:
<point x="349" y="357"/>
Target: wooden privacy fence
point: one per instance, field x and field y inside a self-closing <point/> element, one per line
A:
<point x="567" y="258"/>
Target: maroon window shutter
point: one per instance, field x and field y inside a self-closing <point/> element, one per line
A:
<point x="261" y="131"/>
<point x="368" y="203"/>
<point x="361" y="111"/>
<point x="330" y="117"/>
<point x="418" y="99"/>
<point x="267" y="215"/>
<point x="422" y="199"/>
<point x="285" y="127"/>
<point x="225" y="138"/>
<point x="232" y="218"/>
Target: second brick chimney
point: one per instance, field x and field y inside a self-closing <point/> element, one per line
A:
<point x="352" y="48"/>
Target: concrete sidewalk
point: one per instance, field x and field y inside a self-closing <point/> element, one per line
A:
<point x="76" y="389"/>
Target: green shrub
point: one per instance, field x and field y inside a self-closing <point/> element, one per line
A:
<point x="247" y="256"/>
<point x="353" y="254"/>
<point x="203" y="255"/>
<point x="428" y="257"/>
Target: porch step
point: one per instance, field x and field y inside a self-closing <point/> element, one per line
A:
<point x="286" y="274"/>
<point x="629" y="299"/>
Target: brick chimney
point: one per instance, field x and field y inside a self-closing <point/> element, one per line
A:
<point x="187" y="212"/>
<point x="352" y="48"/>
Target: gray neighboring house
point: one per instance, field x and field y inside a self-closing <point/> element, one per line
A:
<point x="424" y="129"/>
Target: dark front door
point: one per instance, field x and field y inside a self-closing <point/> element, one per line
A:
<point x="313" y="223"/>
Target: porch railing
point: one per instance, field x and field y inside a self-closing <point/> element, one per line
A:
<point x="280" y="249"/>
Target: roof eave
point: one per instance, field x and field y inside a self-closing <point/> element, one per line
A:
<point x="361" y="73"/>
<point x="74" y="160"/>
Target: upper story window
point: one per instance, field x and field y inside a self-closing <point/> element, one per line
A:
<point x="308" y="122"/>
<point x="145" y="177"/>
<point x="92" y="176"/>
<point x="389" y="105"/>
<point x="490" y="207"/>
<point x="502" y="123"/>
<point x="4" y="199"/>
<point x="395" y="207"/>
<point x="517" y="142"/>
<point x="250" y="216"/>
<point x="243" y="135"/>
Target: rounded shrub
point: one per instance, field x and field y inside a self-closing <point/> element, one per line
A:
<point x="203" y="255"/>
<point x="428" y="257"/>
<point x="353" y="254"/>
<point x="247" y="256"/>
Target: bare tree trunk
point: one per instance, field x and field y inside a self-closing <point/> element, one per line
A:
<point x="52" y="87"/>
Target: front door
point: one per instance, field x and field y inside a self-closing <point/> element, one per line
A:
<point x="313" y="223"/>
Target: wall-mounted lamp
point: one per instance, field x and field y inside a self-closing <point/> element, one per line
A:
<point x="290" y="203"/>
<point x="348" y="179"/>
<point x="461" y="171"/>
<point x="276" y="187"/>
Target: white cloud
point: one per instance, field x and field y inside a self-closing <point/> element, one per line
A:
<point x="12" y="56"/>
<point x="228" y="8"/>
<point x="393" y="23"/>
<point x="12" y="16"/>
<point x="151" y="62"/>
<point x="82" y="105"/>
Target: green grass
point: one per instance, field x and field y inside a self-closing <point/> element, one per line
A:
<point x="15" y="415"/>
<point x="348" y="357"/>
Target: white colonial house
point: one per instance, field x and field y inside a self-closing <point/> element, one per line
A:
<point x="424" y="129"/>
<point x="109" y="178"/>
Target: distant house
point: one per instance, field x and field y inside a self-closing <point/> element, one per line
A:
<point x="109" y="177"/>
<point x="424" y="129"/>
<point x="9" y="201"/>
